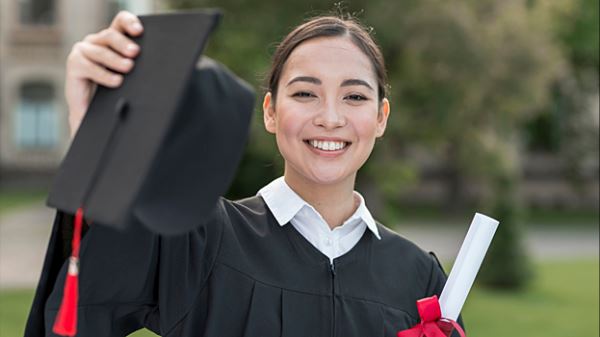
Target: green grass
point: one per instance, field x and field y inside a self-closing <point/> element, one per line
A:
<point x="14" y="308"/>
<point x="12" y="200"/>
<point x="561" y="302"/>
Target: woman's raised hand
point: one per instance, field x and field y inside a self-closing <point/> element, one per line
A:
<point x="100" y="58"/>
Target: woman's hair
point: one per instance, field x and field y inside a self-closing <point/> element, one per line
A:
<point x="329" y="26"/>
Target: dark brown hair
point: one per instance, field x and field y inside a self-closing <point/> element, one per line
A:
<point x="329" y="26"/>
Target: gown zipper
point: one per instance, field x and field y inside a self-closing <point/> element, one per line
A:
<point x="333" y="293"/>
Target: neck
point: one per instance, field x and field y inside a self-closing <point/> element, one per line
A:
<point x="335" y="202"/>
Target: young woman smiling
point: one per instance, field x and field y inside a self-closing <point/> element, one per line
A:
<point x="326" y="112"/>
<point x="302" y="258"/>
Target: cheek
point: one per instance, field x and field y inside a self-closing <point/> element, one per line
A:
<point x="289" y="130"/>
<point x="365" y="125"/>
<point x="291" y="121"/>
<point x="288" y="126"/>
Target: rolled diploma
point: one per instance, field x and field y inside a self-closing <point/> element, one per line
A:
<point x="469" y="259"/>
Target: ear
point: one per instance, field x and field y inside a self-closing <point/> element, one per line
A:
<point x="269" y="113"/>
<point x="382" y="116"/>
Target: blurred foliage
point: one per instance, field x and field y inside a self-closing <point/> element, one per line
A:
<point x="506" y="264"/>
<point x="567" y="125"/>
<point x="473" y="83"/>
<point x="581" y="34"/>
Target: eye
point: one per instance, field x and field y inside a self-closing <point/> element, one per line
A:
<point x="356" y="97"/>
<point x="303" y="94"/>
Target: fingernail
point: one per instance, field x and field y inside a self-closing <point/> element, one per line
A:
<point x="132" y="47"/>
<point x="136" y="26"/>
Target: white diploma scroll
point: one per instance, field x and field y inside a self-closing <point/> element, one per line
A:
<point x="469" y="259"/>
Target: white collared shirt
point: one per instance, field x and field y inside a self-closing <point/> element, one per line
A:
<point x="289" y="207"/>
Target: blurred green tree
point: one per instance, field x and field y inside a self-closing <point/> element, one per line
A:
<point x="467" y="76"/>
<point x="576" y="91"/>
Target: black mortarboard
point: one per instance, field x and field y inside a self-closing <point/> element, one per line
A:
<point x="164" y="145"/>
<point x="161" y="148"/>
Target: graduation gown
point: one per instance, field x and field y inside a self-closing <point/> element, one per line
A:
<point x="238" y="274"/>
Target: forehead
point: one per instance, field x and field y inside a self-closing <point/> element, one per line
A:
<point x="329" y="58"/>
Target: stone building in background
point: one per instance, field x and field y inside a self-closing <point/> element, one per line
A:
<point x="35" y="38"/>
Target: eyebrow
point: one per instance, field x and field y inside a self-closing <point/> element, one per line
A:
<point x="355" y="81"/>
<point x="308" y="79"/>
<point x="314" y="80"/>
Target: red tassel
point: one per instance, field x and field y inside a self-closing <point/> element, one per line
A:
<point x="66" y="319"/>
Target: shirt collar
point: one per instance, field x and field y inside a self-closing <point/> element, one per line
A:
<point x="284" y="203"/>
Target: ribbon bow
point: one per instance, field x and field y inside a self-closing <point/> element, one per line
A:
<point x="432" y="324"/>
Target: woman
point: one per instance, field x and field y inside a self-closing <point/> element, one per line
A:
<point x="302" y="258"/>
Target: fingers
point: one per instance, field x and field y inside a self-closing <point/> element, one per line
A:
<point x="116" y="35"/>
<point x="115" y="40"/>
<point x="81" y="67"/>
<point x="106" y="57"/>
<point x="102" y="57"/>
<point x="101" y="75"/>
<point x="128" y="23"/>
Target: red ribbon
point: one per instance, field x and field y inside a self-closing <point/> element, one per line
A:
<point x="432" y="324"/>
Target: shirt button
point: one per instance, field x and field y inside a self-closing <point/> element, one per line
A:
<point x="328" y="242"/>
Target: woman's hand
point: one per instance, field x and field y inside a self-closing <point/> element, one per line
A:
<point x="101" y="58"/>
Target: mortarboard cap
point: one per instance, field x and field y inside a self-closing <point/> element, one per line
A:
<point x="161" y="148"/>
<point x="164" y="145"/>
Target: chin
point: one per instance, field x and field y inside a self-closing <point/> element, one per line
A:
<point x="329" y="178"/>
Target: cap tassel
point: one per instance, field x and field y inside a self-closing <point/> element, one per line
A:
<point x="66" y="319"/>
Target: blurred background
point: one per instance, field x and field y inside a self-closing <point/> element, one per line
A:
<point x="495" y="109"/>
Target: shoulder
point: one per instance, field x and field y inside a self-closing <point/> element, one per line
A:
<point x="394" y="247"/>
<point x="251" y="206"/>
<point x="250" y="215"/>
<point x="394" y="242"/>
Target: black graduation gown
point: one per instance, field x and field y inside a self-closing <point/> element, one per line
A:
<point x="239" y="274"/>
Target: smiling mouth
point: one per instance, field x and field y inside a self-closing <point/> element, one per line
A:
<point x="326" y="145"/>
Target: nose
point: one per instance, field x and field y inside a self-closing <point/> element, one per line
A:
<point x="330" y="117"/>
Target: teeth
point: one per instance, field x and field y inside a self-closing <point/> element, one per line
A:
<point x="327" y="145"/>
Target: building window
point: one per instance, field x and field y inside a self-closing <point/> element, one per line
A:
<point x="37" y="12"/>
<point x="36" y="117"/>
